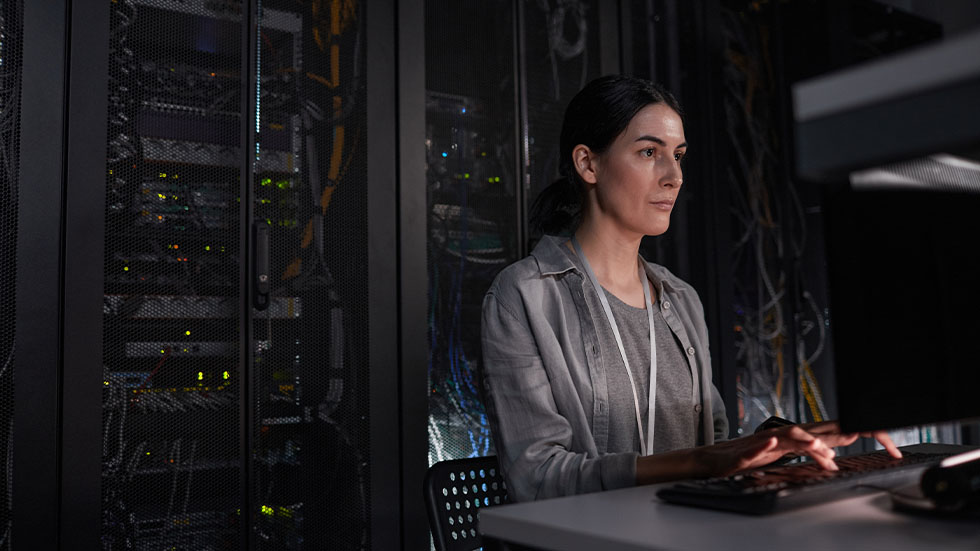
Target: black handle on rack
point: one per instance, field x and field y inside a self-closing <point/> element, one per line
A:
<point x="260" y="265"/>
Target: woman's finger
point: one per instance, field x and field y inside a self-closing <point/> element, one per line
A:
<point x="886" y="441"/>
<point x="823" y="455"/>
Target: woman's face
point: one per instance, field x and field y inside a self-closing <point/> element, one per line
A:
<point x="636" y="180"/>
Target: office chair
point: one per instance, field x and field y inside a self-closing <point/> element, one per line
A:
<point x="455" y="491"/>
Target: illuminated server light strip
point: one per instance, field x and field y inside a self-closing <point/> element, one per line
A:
<point x="184" y="307"/>
<point x="180" y="349"/>
<point x="158" y="149"/>
<point x="292" y="420"/>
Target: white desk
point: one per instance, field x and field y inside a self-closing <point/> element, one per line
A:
<point x="635" y="519"/>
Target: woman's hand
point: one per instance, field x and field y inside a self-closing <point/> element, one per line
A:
<point x="815" y="440"/>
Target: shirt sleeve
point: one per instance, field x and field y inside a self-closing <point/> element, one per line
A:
<point x="719" y="415"/>
<point x="533" y="440"/>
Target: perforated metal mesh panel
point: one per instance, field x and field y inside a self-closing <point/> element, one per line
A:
<point x="471" y="176"/>
<point x="172" y="362"/>
<point x="311" y="409"/>
<point x="11" y="21"/>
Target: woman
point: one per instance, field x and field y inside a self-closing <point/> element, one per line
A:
<point x="574" y="334"/>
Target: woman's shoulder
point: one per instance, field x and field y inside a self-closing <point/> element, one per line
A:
<point x="534" y="271"/>
<point x="516" y="274"/>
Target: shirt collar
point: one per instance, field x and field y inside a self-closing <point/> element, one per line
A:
<point x="553" y="261"/>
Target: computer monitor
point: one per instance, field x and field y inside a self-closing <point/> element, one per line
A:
<point x="904" y="278"/>
<point x="897" y="144"/>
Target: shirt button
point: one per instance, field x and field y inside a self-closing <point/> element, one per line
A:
<point x="690" y="350"/>
<point x="666" y="305"/>
<point x="697" y="408"/>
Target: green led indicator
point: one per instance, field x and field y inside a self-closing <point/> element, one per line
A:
<point x="226" y="375"/>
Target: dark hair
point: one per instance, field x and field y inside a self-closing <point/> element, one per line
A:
<point x="594" y="118"/>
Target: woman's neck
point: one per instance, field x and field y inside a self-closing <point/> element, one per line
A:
<point x="612" y="255"/>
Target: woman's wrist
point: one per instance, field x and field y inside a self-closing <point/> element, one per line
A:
<point x="664" y="467"/>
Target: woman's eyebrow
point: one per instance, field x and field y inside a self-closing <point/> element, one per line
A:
<point x="657" y="140"/>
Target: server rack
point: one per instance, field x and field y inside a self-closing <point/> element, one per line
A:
<point x="210" y="297"/>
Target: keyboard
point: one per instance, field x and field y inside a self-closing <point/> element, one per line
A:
<point x="774" y="489"/>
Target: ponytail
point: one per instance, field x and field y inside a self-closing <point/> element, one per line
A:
<point x="558" y="208"/>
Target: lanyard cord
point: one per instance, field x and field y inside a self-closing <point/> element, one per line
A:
<point x="646" y="444"/>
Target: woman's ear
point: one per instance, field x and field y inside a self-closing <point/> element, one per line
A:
<point x="585" y="162"/>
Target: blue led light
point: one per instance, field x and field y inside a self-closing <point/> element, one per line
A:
<point x="444" y="154"/>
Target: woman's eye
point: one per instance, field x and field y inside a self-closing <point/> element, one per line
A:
<point x="678" y="156"/>
<point x="648" y="152"/>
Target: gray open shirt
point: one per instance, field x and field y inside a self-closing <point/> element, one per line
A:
<point x="545" y="393"/>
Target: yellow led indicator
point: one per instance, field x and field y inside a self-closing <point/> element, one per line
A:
<point x="163" y="351"/>
<point x="207" y="247"/>
<point x="226" y="374"/>
<point x="106" y="383"/>
<point x="200" y="375"/>
<point x="467" y="175"/>
<point x="163" y="174"/>
<point x="147" y="453"/>
<point x="125" y="268"/>
<point x="187" y="332"/>
<point x="266" y="510"/>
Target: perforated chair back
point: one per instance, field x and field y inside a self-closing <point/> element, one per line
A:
<point x="455" y="491"/>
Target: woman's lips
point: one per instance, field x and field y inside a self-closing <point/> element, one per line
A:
<point x="663" y="205"/>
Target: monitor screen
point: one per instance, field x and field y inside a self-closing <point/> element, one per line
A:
<point x="904" y="275"/>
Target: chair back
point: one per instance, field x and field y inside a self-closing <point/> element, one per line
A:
<point x="455" y="491"/>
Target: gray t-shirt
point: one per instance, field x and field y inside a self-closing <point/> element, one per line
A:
<point x="677" y="421"/>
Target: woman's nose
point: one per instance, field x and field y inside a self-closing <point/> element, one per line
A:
<point x="673" y="176"/>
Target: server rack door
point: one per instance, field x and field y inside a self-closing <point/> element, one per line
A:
<point x="472" y="156"/>
<point x="172" y="298"/>
<point x="311" y="403"/>
<point x="560" y="54"/>
<point x="12" y="24"/>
